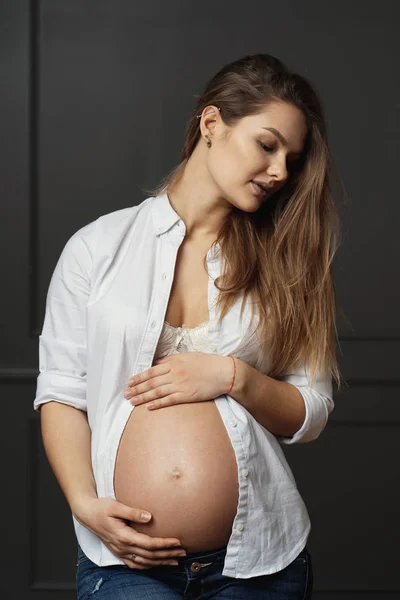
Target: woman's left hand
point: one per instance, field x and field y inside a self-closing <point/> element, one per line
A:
<point x="180" y="379"/>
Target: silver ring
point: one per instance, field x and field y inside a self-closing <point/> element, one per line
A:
<point x="133" y="556"/>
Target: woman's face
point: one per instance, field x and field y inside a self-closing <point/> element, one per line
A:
<point x="253" y="151"/>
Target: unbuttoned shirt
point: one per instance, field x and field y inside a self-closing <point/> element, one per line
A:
<point x="105" y="310"/>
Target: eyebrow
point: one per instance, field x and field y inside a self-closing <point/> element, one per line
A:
<point x="280" y="137"/>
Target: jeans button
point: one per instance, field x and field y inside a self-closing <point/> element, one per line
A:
<point x="195" y="566"/>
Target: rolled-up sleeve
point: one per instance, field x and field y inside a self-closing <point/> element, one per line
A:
<point x="63" y="341"/>
<point x="318" y="401"/>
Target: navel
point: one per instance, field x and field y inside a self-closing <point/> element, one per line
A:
<point x="176" y="473"/>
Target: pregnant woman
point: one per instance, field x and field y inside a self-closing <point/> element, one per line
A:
<point x="185" y="338"/>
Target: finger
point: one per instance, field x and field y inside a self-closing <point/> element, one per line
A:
<point x="149" y="390"/>
<point x="155" y="554"/>
<point x="147" y="542"/>
<point x="141" y="561"/>
<point x="129" y="564"/>
<point x="163" y="403"/>
<point x="135" y="564"/>
<point x="150" y="400"/>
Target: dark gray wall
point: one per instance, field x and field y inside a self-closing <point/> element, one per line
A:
<point x="94" y="99"/>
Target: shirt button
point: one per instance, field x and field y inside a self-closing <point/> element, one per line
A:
<point x="164" y="276"/>
<point x="245" y="472"/>
<point x="240" y="526"/>
<point x="233" y="423"/>
<point x="153" y="324"/>
<point x="213" y="347"/>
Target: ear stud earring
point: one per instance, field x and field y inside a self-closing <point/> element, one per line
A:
<point x="207" y="138"/>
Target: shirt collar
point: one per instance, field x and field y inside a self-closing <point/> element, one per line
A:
<point x="165" y="217"/>
<point x="163" y="214"/>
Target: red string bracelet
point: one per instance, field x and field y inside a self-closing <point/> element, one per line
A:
<point x="234" y="374"/>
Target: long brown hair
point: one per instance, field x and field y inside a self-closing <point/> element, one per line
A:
<point x="280" y="256"/>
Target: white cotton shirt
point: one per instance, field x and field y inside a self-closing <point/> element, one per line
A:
<point x="105" y="311"/>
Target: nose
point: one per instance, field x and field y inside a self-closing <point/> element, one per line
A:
<point x="278" y="171"/>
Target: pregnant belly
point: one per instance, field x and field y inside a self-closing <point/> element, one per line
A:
<point x="178" y="463"/>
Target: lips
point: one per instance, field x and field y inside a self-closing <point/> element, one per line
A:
<point x="261" y="192"/>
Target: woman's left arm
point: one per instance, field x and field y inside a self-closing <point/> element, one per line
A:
<point x="291" y="409"/>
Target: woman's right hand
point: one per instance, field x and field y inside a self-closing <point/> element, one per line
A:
<point x="107" y="517"/>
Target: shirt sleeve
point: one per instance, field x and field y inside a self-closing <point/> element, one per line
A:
<point x="63" y="343"/>
<point x="318" y="401"/>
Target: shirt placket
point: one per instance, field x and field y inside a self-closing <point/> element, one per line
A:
<point x="168" y="245"/>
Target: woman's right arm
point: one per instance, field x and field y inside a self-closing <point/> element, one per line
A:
<point x="66" y="438"/>
<point x="61" y="398"/>
<point x="61" y="394"/>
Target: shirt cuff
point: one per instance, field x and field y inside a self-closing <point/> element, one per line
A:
<point x="58" y="387"/>
<point x="317" y="408"/>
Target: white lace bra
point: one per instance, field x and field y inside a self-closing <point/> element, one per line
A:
<point x="174" y="340"/>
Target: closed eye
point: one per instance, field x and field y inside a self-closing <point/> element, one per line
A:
<point x="266" y="148"/>
<point x="292" y="163"/>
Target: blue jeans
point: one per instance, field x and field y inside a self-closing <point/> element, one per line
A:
<point x="192" y="579"/>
